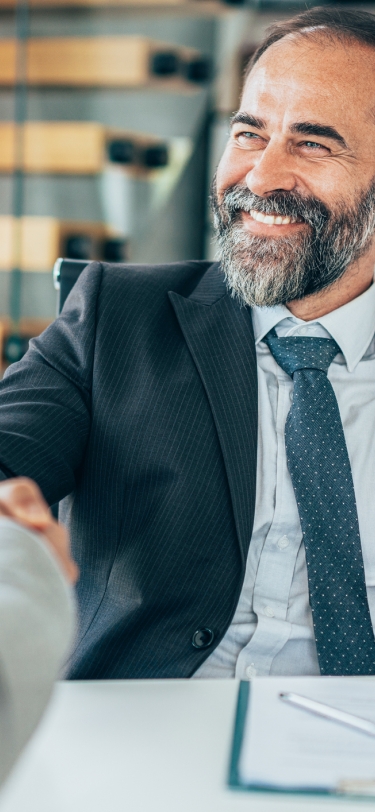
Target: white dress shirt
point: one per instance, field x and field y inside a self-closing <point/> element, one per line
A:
<point x="272" y="630"/>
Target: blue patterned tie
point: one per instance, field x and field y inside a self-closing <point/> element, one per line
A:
<point x="320" y="470"/>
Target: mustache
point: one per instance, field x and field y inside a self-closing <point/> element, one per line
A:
<point x="238" y="198"/>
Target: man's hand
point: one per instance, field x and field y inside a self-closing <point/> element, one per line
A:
<point x="22" y="501"/>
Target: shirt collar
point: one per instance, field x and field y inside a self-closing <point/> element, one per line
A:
<point x="352" y="326"/>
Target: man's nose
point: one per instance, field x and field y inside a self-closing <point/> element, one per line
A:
<point x="272" y="172"/>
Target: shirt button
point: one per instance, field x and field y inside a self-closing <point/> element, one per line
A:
<point x="269" y="611"/>
<point x="303" y="331"/>
<point x="283" y="543"/>
<point x="291" y="395"/>
<point x="251" y="671"/>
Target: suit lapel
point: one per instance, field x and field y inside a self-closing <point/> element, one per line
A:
<point x="220" y="338"/>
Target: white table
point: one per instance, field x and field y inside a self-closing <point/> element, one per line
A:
<point x="140" y="746"/>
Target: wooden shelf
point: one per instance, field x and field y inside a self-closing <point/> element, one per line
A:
<point x="79" y="148"/>
<point x="27" y="329"/>
<point x="109" y="61"/>
<point x="34" y="243"/>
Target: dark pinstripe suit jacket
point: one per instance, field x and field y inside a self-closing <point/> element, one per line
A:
<point x="139" y="406"/>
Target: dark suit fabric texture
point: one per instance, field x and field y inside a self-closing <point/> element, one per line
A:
<point x="138" y="408"/>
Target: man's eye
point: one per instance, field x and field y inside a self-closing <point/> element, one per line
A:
<point x="245" y="138"/>
<point x="246" y="134"/>
<point x="313" y="145"/>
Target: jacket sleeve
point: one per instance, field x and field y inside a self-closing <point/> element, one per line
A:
<point x="37" y="623"/>
<point x="45" y="398"/>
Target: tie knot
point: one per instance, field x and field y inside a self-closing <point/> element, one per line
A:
<point x="295" y="352"/>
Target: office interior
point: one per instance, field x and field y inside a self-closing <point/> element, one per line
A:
<point x="108" y="152"/>
<point x="113" y="117"/>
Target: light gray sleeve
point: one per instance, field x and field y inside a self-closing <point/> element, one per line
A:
<point x="37" y="622"/>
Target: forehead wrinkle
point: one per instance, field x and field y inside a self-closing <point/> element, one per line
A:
<point x="371" y="113"/>
<point x="291" y="58"/>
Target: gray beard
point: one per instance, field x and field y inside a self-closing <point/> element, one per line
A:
<point x="268" y="271"/>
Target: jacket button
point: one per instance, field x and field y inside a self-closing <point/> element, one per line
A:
<point x="202" y="638"/>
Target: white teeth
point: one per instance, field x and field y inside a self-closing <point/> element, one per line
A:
<point x="272" y="219"/>
<point x="257" y="215"/>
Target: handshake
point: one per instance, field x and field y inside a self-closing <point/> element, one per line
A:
<point x="22" y="501"/>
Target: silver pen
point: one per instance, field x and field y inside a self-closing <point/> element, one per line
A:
<point x="319" y="709"/>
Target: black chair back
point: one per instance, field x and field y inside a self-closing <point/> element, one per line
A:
<point x="65" y="275"/>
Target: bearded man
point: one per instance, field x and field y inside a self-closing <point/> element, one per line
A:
<point x="210" y="543"/>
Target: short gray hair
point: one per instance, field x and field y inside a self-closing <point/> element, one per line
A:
<point x="333" y="23"/>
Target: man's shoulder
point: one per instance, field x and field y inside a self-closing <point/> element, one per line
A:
<point x="108" y="297"/>
<point x="180" y="277"/>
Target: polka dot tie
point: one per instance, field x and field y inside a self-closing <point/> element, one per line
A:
<point x="319" y="467"/>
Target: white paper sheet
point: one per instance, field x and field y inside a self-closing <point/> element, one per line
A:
<point x="287" y="747"/>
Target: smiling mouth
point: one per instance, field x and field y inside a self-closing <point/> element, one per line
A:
<point x="274" y="219"/>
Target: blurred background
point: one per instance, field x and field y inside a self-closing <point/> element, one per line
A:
<point x="113" y="117"/>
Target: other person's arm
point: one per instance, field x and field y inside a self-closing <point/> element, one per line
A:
<point x="36" y="612"/>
